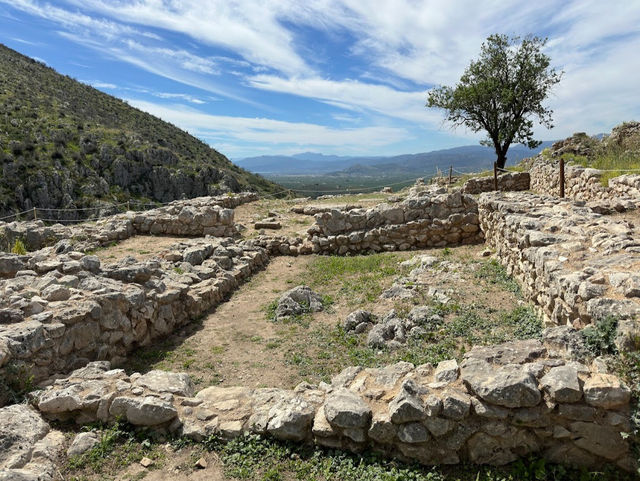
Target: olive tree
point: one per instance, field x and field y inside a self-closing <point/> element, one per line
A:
<point x="501" y="92"/>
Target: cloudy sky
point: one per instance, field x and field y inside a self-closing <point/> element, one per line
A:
<point x="347" y="77"/>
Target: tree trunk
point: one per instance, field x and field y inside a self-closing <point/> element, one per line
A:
<point x="502" y="159"/>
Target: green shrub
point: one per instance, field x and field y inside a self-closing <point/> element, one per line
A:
<point x="599" y="337"/>
<point x="19" y="247"/>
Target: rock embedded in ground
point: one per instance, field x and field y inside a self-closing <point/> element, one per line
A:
<point x="82" y="443"/>
<point x="296" y="301"/>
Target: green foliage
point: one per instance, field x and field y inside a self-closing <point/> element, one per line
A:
<point x="57" y="131"/>
<point x="17" y="383"/>
<point x="501" y="91"/>
<point x="18" y="247"/>
<point x="599" y="337"/>
<point x="527" y="324"/>
<point x="120" y="445"/>
<point x="494" y="273"/>
<point x="255" y="458"/>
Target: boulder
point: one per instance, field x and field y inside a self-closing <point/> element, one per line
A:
<point x="164" y="381"/>
<point x="562" y="384"/>
<point x="511" y="386"/>
<point x="345" y="409"/>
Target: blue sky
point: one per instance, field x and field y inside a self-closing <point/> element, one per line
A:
<point x="348" y="77"/>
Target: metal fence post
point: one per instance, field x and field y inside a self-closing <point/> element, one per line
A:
<point x="561" y="177"/>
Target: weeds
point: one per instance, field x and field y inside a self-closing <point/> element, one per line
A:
<point x="494" y="273"/>
<point x="19" y="247"/>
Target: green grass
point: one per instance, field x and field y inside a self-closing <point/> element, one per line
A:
<point x="120" y="445"/>
<point x="494" y="273"/>
<point x="360" y="279"/>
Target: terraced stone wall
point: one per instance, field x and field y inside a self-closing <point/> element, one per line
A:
<point x="430" y="218"/>
<point x="193" y="217"/>
<point x="582" y="183"/>
<point x="500" y="404"/>
<point x="60" y="311"/>
<point x="507" y="182"/>
<point x="575" y="264"/>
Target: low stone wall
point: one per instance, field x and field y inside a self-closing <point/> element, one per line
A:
<point x="60" y="311"/>
<point x="507" y="182"/>
<point x="193" y="217"/>
<point x="430" y="218"/>
<point x="582" y="183"/>
<point x="500" y="404"/>
<point x="575" y="264"/>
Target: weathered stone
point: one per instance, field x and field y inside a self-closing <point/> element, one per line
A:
<point x="291" y="419"/>
<point x="606" y="391"/>
<point x="600" y="440"/>
<point x="508" y="386"/>
<point x="562" y="384"/>
<point x="345" y="409"/>
<point x="412" y="433"/>
<point x="147" y="411"/>
<point x="164" y="381"/>
<point x="83" y="442"/>
<point x="455" y="405"/>
<point x="447" y="371"/>
<point x="20" y="428"/>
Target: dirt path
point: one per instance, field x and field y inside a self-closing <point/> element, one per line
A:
<point x="235" y="344"/>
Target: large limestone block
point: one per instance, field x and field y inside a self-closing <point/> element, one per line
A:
<point x="512" y="386"/>
<point x="146" y="411"/>
<point x="562" y="384"/>
<point x="20" y="429"/>
<point x="606" y="391"/>
<point x="345" y="409"/>
<point x="164" y="381"/>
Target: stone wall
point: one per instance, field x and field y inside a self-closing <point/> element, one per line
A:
<point x="193" y="217"/>
<point x="507" y="182"/>
<point x="575" y="264"/>
<point x="60" y="311"/>
<point x="582" y="183"/>
<point x="428" y="218"/>
<point x="500" y="404"/>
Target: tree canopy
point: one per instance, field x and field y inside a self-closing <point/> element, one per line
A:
<point x="501" y="92"/>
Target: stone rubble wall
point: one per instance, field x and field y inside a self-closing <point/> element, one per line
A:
<point x="575" y="264"/>
<point x="192" y="217"/>
<point x="582" y="183"/>
<point x="499" y="404"/>
<point x="60" y="311"/>
<point x="507" y="182"/>
<point x="430" y="218"/>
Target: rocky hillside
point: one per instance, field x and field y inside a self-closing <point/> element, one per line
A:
<point x="64" y="144"/>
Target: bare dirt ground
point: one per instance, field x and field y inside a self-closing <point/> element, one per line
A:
<point x="141" y="247"/>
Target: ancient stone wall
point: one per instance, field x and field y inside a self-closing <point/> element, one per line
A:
<point x="582" y="183"/>
<point x="429" y="218"/>
<point x="575" y="264"/>
<point x="60" y="311"/>
<point x="507" y="182"/>
<point x="500" y="404"/>
<point x="193" y="217"/>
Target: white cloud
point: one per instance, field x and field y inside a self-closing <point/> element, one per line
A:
<point x="353" y="95"/>
<point x="221" y="130"/>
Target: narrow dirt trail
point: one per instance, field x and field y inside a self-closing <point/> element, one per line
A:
<point x="236" y="344"/>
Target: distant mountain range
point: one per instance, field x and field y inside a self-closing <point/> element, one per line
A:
<point x="470" y="158"/>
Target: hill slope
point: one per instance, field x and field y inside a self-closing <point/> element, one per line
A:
<point x="64" y="144"/>
<point x="468" y="158"/>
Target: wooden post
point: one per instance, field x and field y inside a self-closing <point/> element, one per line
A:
<point x="450" y="173"/>
<point x="35" y="215"/>
<point x="561" y="177"/>
<point x="495" y="176"/>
